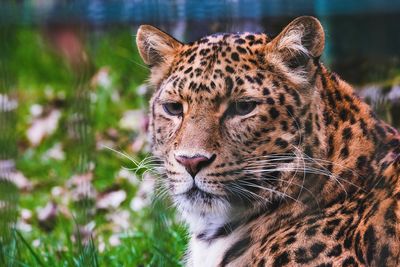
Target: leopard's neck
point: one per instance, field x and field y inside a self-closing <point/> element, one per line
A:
<point x="357" y="143"/>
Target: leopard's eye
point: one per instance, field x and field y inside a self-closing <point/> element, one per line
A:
<point x="242" y="108"/>
<point x="173" y="108"/>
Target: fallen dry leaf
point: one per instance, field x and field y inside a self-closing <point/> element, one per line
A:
<point x="7" y="104"/>
<point x="130" y="176"/>
<point x="132" y="120"/>
<point x="79" y="179"/>
<point x="111" y="200"/>
<point x="144" y="193"/>
<point x="120" y="220"/>
<point x="84" y="232"/>
<point x="81" y="187"/>
<point x="19" y="179"/>
<point x="114" y="240"/>
<point x="42" y="127"/>
<point x="47" y="216"/>
<point x="23" y="226"/>
<point x="26" y="214"/>
<point x="36" y="110"/>
<point x="101" y="78"/>
<point x="55" y="152"/>
<point x="8" y="172"/>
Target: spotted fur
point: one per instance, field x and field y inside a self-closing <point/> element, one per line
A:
<point x="308" y="177"/>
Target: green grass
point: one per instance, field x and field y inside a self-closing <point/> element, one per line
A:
<point x="36" y="73"/>
<point x="143" y="246"/>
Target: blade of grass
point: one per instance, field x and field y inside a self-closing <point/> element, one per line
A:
<point x="34" y="254"/>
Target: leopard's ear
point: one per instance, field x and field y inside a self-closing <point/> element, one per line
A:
<point x="300" y="41"/>
<point x="155" y="46"/>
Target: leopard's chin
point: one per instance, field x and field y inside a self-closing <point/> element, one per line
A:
<point x="196" y="193"/>
<point x="200" y="202"/>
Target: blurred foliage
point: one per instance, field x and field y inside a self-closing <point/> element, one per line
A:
<point x="43" y="77"/>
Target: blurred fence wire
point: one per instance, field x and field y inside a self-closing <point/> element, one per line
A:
<point x="8" y="151"/>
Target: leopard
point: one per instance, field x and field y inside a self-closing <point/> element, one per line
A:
<point x="270" y="158"/>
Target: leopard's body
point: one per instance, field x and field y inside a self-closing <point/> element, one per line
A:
<point x="296" y="169"/>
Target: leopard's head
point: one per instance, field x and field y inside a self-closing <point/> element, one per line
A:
<point x="233" y="114"/>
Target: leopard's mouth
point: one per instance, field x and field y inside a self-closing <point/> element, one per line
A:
<point x="196" y="193"/>
<point x="198" y="201"/>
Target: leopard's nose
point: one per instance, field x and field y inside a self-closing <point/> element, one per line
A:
<point x="195" y="163"/>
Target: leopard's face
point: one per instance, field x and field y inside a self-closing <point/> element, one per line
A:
<point x="226" y="120"/>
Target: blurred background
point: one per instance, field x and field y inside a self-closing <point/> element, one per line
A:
<point x="76" y="187"/>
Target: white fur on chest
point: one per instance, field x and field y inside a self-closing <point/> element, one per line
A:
<point x="209" y="254"/>
<point x="207" y="251"/>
